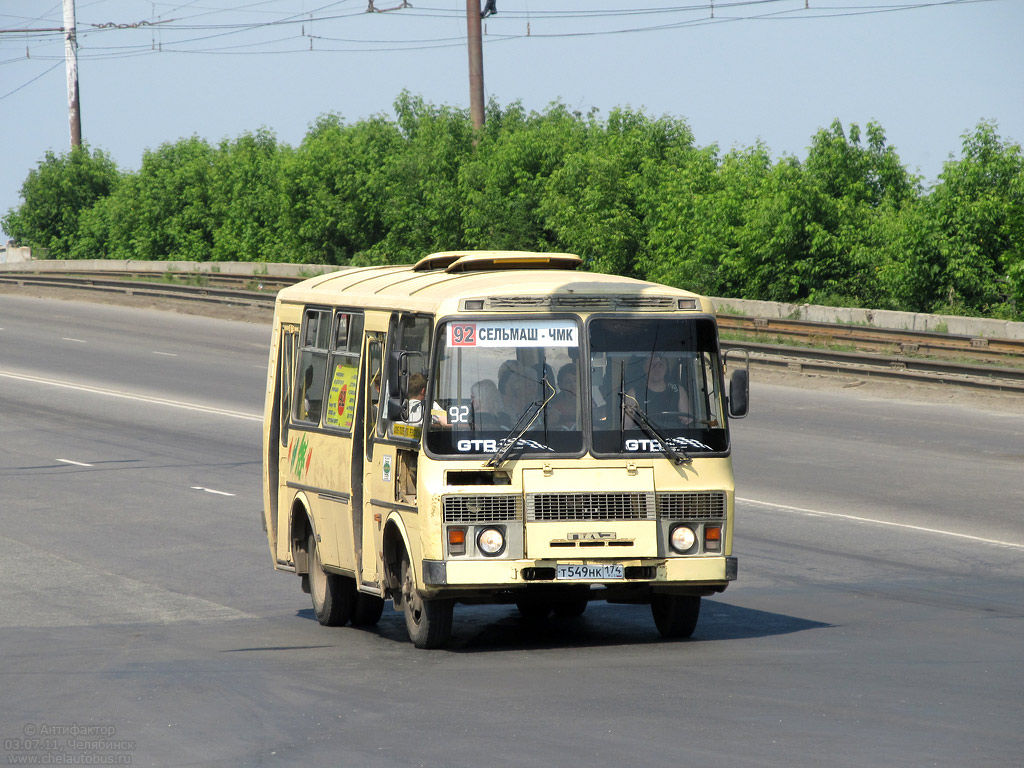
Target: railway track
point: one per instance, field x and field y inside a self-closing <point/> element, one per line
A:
<point x="983" y="363"/>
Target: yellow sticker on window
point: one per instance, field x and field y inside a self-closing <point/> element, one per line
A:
<point x="341" y="404"/>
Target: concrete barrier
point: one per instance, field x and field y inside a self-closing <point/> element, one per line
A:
<point x="878" y="318"/>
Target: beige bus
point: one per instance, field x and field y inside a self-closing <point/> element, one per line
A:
<point x="495" y="427"/>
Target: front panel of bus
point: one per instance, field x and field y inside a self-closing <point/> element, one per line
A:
<point x="568" y="449"/>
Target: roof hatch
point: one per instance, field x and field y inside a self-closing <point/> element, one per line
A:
<point x="478" y="261"/>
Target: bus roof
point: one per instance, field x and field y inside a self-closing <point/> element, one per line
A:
<point x="497" y="280"/>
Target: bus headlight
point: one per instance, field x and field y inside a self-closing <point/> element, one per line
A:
<point x="491" y="542"/>
<point x="682" y="538"/>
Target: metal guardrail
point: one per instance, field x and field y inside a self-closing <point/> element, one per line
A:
<point x="165" y="290"/>
<point x="890" y="340"/>
<point x="901" y="368"/>
<point x="904" y="361"/>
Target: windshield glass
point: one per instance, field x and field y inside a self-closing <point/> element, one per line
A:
<point x="497" y="378"/>
<point x="666" y="370"/>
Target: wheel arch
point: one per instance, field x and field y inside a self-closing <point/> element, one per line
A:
<point x="395" y="541"/>
<point x="300" y="527"/>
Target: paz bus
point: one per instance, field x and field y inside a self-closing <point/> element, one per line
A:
<point x="495" y="427"/>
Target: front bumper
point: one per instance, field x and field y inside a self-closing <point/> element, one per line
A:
<point x="498" y="574"/>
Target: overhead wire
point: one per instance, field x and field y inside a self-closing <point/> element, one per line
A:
<point x="324" y="14"/>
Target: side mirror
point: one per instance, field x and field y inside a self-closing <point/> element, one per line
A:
<point x="739" y="393"/>
<point x="396" y="409"/>
<point x="739" y="382"/>
<point x="397" y="373"/>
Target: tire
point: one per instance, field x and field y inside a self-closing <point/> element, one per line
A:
<point x="534" y="610"/>
<point x="675" y="616"/>
<point x="333" y="595"/>
<point x="570" y="607"/>
<point x="429" y="622"/>
<point x="367" y="610"/>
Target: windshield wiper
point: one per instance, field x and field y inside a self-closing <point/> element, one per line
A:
<point x="512" y="438"/>
<point x="637" y="415"/>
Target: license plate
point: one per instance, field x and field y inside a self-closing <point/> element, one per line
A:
<point x="590" y="572"/>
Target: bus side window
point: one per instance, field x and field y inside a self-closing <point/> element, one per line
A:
<point x="343" y="371"/>
<point x="287" y="372"/>
<point x="374" y="363"/>
<point x="308" y="394"/>
<point x="406" y="379"/>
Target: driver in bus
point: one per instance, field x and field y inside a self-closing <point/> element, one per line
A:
<point x="665" y="403"/>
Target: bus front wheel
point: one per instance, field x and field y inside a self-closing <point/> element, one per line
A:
<point x="429" y="622"/>
<point x="333" y="595"/>
<point x="675" y="615"/>
<point x="367" y="610"/>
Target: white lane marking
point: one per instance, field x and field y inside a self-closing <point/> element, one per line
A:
<point x="77" y="341"/>
<point x="854" y="518"/>
<point x="130" y="396"/>
<point x="44" y="589"/>
<point x="165" y="354"/>
<point x="211" y="490"/>
<point x="76" y="463"/>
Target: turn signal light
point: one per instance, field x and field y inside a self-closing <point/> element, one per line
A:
<point x="456" y="541"/>
<point x="712" y="538"/>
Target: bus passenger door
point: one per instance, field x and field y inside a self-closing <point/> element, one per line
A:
<point x="281" y="502"/>
<point x="367" y="531"/>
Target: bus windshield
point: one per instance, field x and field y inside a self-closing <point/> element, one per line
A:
<point x="513" y="387"/>
<point x="654" y="382"/>
<point x="496" y="379"/>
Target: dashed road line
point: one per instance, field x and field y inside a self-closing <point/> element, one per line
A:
<point x="211" y="490"/>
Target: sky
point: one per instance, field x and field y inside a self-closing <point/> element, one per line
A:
<point x="737" y="71"/>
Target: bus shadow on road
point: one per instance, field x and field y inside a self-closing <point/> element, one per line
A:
<point x="499" y="627"/>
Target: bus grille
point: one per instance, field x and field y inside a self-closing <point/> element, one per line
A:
<point x="480" y="509"/>
<point x="709" y="505"/>
<point x="589" y="506"/>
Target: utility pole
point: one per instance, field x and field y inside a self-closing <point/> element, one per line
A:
<point x="476" y="63"/>
<point x="71" y="65"/>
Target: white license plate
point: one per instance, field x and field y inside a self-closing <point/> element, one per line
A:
<point x="590" y="572"/>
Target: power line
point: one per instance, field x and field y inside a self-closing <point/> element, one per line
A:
<point x="23" y="85"/>
<point x="326" y="14"/>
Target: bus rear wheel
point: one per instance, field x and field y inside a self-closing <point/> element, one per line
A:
<point x="429" y="622"/>
<point x="333" y="595"/>
<point x="675" y="615"/>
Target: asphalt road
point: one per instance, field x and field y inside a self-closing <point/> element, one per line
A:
<point x="878" y="618"/>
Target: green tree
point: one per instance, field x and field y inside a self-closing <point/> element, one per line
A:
<point x="246" y="199"/>
<point x="978" y="205"/>
<point x="419" y="201"/>
<point x="597" y="201"/>
<point x="55" y="194"/>
<point x="166" y="214"/>
<point x="503" y="182"/>
<point x="334" y="186"/>
<point x="695" y="212"/>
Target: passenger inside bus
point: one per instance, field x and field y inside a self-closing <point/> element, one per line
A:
<point x="486" y="410"/>
<point x="513" y="387"/>
<point x="417" y="391"/>
<point x="663" y="401"/>
<point x="562" y="407"/>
